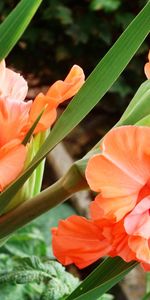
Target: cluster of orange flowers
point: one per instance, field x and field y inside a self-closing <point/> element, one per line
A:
<point x="120" y="214"/>
<point x="120" y="174"/>
<point x="17" y="116"/>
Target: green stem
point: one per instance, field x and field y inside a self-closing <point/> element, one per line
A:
<point x="69" y="184"/>
<point x="148" y="282"/>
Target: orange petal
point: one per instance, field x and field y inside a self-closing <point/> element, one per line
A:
<point x="63" y="90"/>
<point x="96" y="211"/>
<point x="13" y="118"/>
<point x="117" y="237"/>
<point x="12" y="84"/>
<point x="146" y="267"/>
<point x="137" y="223"/>
<point x="120" y="243"/>
<point x="49" y="115"/>
<point x="112" y="208"/>
<point x="12" y="158"/>
<point x="128" y="147"/>
<point x="78" y="241"/>
<point x="57" y="93"/>
<point x="123" y="167"/>
<point x="106" y="177"/>
<point x="147" y="67"/>
<point x="141" y="248"/>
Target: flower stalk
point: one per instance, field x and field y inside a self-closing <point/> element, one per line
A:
<point x="63" y="189"/>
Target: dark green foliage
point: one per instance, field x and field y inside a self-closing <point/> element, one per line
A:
<point x="30" y="278"/>
<point x="38" y="276"/>
<point x="27" y="267"/>
<point x="47" y="279"/>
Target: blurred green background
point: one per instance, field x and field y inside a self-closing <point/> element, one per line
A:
<point x="66" y="32"/>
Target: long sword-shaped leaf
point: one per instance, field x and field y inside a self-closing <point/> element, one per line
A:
<point x="98" y="83"/>
<point x="15" y="24"/>
<point x="106" y="275"/>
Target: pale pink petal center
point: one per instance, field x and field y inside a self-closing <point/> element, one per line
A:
<point x="12" y="84"/>
<point x="137" y="223"/>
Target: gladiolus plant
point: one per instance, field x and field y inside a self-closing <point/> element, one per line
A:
<point x="117" y="169"/>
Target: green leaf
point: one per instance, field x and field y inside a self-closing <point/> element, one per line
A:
<point x="107" y="5"/>
<point x="26" y="242"/>
<point x="147" y="293"/>
<point x="60" y="285"/>
<point x="106" y="297"/>
<point x="30" y="291"/>
<point x="4" y="240"/>
<point x="98" y="83"/>
<point x="57" y="282"/>
<point x="148" y="282"/>
<point x="106" y="275"/>
<point x="8" y="290"/>
<point x="138" y="107"/>
<point x="146" y="297"/>
<point x="144" y="122"/>
<point x="15" y="24"/>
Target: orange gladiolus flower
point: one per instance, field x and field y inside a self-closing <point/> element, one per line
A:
<point x="14" y="114"/>
<point x="147" y="67"/>
<point x="17" y="116"/>
<point x="12" y="159"/>
<point x="57" y="93"/>
<point x="120" y="213"/>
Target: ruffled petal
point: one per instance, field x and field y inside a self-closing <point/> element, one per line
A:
<point x="49" y="115"/>
<point x="141" y="247"/>
<point x="63" y="90"/>
<point x="57" y="93"/>
<point x="128" y="147"/>
<point x="112" y="208"/>
<point x="12" y="84"/>
<point x="78" y="241"/>
<point x="146" y="267"/>
<point x="116" y="237"/>
<point x="12" y="158"/>
<point x="122" y="170"/>
<point x="13" y="119"/>
<point x="120" y="243"/>
<point x="137" y="223"/>
<point x="106" y="177"/>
